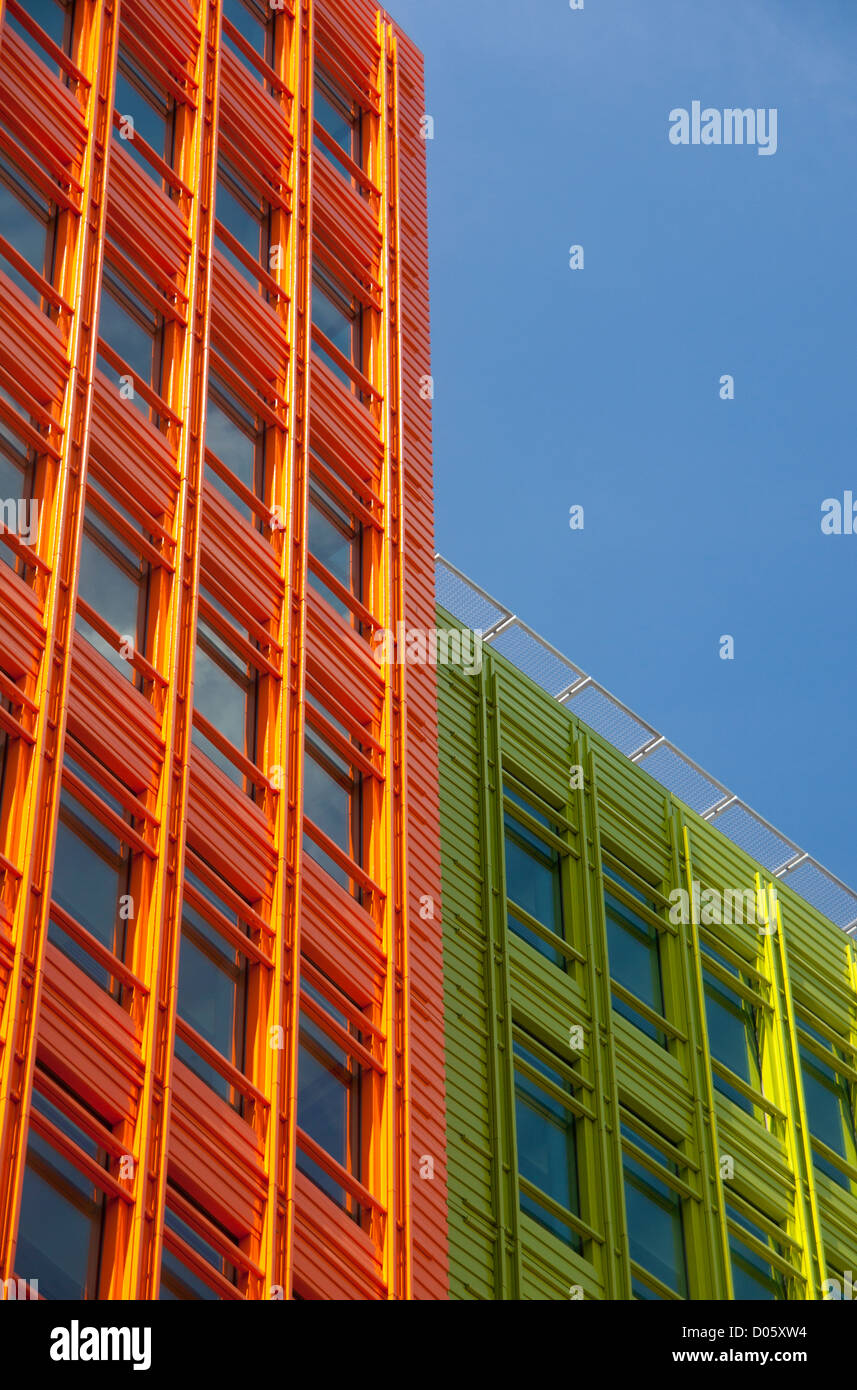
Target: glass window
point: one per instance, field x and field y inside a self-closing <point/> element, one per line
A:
<point x="28" y="221"/>
<point x="55" y="17"/>
<point x="256" y="23"/>
<point x="733" y="1038"/>
<point x="91" y="872"/>
<point x="212" y="995"/>
<point x="17" y="471"/>
<point x="178" y="1280"/>
<point x="152" y="109"/>
<point x="133" y="329"/>
<point x="340" y="117"/>
<point x="60" y="1230"/>
<point x="332" y="801"/>
<point x="225" y="687"/>
<point x="335" y="540"/>
<point x="633" y="947"/>
<point x="829" y="1099"/>
<point x="654" y="1216"/>
<point x="244" y="214"/>
<point x="533" y="880"/>
<point x="329" y="1101"/>
<point x="114" y="580"/>
<point x="339" y="317"/>
<point x="547" y="1154"/>
<point x="753" y="1277"/>
<point x="235" y="435"/>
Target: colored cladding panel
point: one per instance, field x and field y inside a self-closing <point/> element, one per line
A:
<point x="641" y="1102"/>
<point x="221" y="998"/>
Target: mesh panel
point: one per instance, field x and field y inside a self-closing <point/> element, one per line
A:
<point x="812" y="883"/>
<point x="747" y="831"/>
<point x="595" y="707"/>
<point x="668" y="767"/>
<point x="464" y="602"/>
<point x="520" y="646"/>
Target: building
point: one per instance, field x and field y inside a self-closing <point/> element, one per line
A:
<point x="651" y="1035"/>
<point x="221" y="1048"/>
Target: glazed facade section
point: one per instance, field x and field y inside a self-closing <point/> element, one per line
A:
<point x="639" y="1106"/>
<point x="221" y="1044"/>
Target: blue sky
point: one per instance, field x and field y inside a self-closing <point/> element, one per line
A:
<point x="601" y="387"/>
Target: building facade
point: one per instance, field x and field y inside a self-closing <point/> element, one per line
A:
<point x="651" y="1042"/>
<point x="221" y="1046"/>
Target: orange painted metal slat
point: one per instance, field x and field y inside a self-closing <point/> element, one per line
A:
<point x="149" y="743"/>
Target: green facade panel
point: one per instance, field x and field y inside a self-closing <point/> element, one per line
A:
<point x="642" y="1102"/>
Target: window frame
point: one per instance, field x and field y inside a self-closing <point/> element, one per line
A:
<point x="44" y="210"/>
<point x="351" y="528"/>
<point x="146" y="309"/>
<point x="148" y="81"/>
<point x="236" y="936"/>
<point x="661" y="1160"/>
<point x="352" y="311"/>
<point x="528" y="1061"/>
<point x="120" y="862"/>
<point x="527" y="816"/>
<point x="811" y="1043"/>
<point x="97" y="509"/>
<point x="620" y="883"/>
<point x="356" y="118"/>
<point x="340" y="1021"/>
<point x="247" y="660"/>
<point x="253" y="203"/>
<point x="340" y="741"/>
<point x="226" y="1282"/>
<point x="64" y="1124"/>
<point x="739" y="1227"/>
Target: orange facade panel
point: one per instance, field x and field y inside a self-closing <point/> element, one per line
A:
<point x="220" y="398"/>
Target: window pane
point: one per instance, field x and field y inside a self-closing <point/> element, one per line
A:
<point x="655" y="1229"/>
<point x="26" y="218"/>
<point x="236" y="436"/>
<point x="224" y="692"/>
<point x="113" y="581"/>
<point x="152" y="110"/>
<point x="732" y="1038"/>
<point x="533" y="881"/>
<point x="128" y="325"/>
<point x="752" y="1276"/>
<point x="339" y="116"/>
<point x="546" y="1146"/>
<point x="246" y="216"/>
<point x="334" y="540"/>
<point x="333" y="321"/>
<point x="332" y="802"/>
<point x="634" y="950"/>
<point x="211" y="998"/>
<point x="16" y="488"/>
<point x="52" y="15"/>
<point x="332" y="116"/>
<point x="251" y="21"/>
<point x="328" y="1108"/>
<point x="60" y="1227"/>
<point x="178" y="1280"/>
<point x="91" y="869"/>
<point x="337" y="314"/>
<point x="829" y="1112"/>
